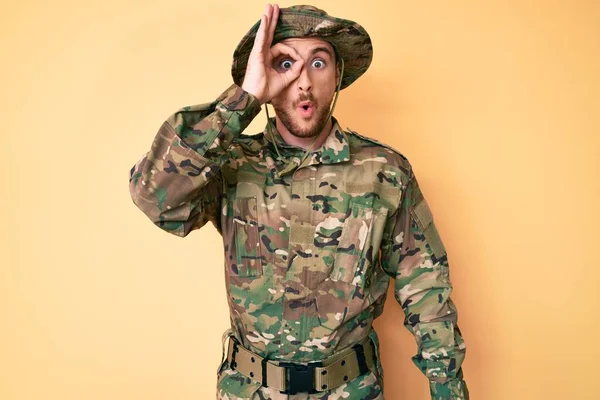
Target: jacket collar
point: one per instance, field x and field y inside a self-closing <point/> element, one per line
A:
<point x="335" y="149"/>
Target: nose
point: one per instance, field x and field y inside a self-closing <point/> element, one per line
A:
<point x="304" y="81"/>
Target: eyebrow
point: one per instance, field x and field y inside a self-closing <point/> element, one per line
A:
<point x="323" y="49"/>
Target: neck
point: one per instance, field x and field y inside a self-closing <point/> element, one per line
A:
<point x="303" y="142"/>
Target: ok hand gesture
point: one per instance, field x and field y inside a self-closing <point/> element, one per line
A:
<point x="263" y="79"/>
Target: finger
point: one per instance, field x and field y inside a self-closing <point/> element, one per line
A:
<point x="294" y="72"/>
<point x="259" y="40"/>
<point x="268" y="38"/>
<point x="273" y="24"/>
<point x="281" y="49"/>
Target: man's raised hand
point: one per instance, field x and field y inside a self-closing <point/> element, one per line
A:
<point x="263" y="79"/>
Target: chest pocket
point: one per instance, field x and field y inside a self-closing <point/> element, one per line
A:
<point x="246" y="238"/>
<point x="245" y="259"/>
<point x="359" y="243"/>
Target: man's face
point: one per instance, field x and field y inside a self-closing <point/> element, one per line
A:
<point x="303" y="106"/>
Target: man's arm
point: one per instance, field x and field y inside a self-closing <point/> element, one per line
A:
<point x="178" y="183"/>
<point x="413" y="254"/>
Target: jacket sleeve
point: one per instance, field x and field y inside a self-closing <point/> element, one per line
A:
<point x="413" y="254"/>
<point x="178" y="183"/>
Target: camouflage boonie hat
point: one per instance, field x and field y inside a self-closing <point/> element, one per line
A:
<point x="350" y="40"/>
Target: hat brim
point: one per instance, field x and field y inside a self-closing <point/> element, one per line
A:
<point x="351" y="41"/>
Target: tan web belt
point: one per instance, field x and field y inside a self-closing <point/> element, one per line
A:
<point x="292" y="378"/>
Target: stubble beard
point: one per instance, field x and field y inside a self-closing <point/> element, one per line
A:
<point x="320" y="120"/>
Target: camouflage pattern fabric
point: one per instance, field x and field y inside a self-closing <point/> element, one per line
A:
<point x="234" y="386"/>
<point x="308" y="255"/>
<point x="350" y="40"/>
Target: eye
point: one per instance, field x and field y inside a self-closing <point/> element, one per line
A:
<point x="318" y="64"/>
<point x="286" y="64"/>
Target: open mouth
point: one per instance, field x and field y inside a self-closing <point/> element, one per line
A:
<point x="306" y="109"/>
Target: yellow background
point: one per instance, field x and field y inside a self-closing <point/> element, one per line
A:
<point x="496" y="104"/>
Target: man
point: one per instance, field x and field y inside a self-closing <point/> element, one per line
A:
<point x="315" y="220"/>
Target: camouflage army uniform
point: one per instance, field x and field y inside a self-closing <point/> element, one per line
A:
<point x="309" y="254"/>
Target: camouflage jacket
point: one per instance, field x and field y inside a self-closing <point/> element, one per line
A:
<point x="309" y="254"/>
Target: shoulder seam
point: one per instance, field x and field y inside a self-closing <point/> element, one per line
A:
<point x="372" y="140"/>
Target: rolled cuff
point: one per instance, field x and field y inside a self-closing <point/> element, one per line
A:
<point x="234" y="98"/>
<point x="453" y="389"/>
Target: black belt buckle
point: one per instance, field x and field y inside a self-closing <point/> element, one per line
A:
<point x="300" y="378"/>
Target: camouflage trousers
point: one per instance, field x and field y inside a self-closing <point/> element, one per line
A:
<point x="232" y="385"/>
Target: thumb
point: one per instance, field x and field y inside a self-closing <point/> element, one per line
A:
<point x="294" y="72"/>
